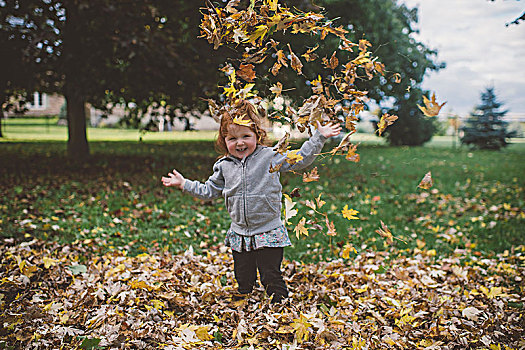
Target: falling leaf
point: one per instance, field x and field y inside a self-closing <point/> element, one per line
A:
<point x="289" y="212"/>
<point x="431" y="108"/>
<point x="384" y="231"/>
<point x="282" y="145"/>
<point x="272" y="4"/>
<point x="332" y="63"/>
<point x="300" y="229"/>
<point x="246" y="72"/>
<point x="239" y="36"/>
<point x="397" y="78"/>
<point x="426" y="182"/>
<point x="364" y="44"/>
<point x="349" y="213"/>
<point x="293" y="157"/>
<point x="347" y="249"/>
<point x="310" y="55"/>
<point x="330" y="226"/>
<point x="295" y="193"/>
<point x="386" y="120"/>
<point x="239" y="120"/>
<point x="275" y="68"/>
<point x="310" y="204"/>
<point x="351" y="155"/>
<point x="295" y="62"/>
<point x="311" y="176"/>
<point x="277" y="89"/>
<point x="275" y="168"/>
<point x="259" y="33"/>
<point x="281" y="58"/>
<point x="319" y="201"/>
<point x="317" y="85"/>
<point x="343" y="144"/>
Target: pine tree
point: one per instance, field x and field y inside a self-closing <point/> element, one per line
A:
<point x="485" y="127"/>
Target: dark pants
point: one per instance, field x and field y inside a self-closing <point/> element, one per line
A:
<point x="268" y="261"/>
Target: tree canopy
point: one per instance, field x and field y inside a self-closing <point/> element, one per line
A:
<point x="147" y="54"/>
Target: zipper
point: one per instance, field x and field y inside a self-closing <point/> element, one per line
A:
<point x="244" y="195"/>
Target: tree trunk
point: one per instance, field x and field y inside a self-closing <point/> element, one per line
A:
<point x="74" y="89"/>
<point x="77" y="145"/>
<point x="1" y="121"/>
<point x="2" y="99"/>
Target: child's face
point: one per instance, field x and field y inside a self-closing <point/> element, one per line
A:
<point x="241" y="141"/>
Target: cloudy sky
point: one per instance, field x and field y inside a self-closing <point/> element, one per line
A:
<point x="478" y="49"/>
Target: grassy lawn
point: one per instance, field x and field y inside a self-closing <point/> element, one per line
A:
<point x="116" y="198"/>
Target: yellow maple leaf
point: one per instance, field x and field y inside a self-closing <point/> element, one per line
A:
<point x="302" y="327"/>
<point x="48" y="262"/>
<point x="230" y="90"/>
<point x="243" y="122"/>
<point x="293" y="157"/>
<point x="203" y="333"/>
<point x="386" y="120"/>
<point x="349" y="213"/>
<point x="272" y="4"/>
<point x="432" y="107"/>
<point x="158" y="304"/>
<point x="347" y="249"/>
<point x="259" y="33"/>
<point x="300" y="229"/>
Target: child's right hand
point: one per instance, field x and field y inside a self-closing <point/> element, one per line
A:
<point x="175" y="179"/>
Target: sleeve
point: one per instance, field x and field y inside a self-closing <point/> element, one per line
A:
<point x="211" y="189"/>
<point x="309" y="151"/>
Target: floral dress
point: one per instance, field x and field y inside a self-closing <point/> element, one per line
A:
<point x="276" y="238"/>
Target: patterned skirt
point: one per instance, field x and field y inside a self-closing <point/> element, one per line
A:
<point x="276" y="238"/>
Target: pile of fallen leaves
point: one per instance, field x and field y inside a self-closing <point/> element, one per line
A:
<point x="73" y="296"/>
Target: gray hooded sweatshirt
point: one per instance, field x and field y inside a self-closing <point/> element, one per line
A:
<point x="252" y="194"/>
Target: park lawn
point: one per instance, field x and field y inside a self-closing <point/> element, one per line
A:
<point x="115" y="198"/>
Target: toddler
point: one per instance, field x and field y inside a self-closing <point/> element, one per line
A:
<point x="252" y="195"/>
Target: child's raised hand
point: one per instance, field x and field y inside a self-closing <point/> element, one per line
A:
<point x="175" y="179"/>
<point x="329" y="130"/>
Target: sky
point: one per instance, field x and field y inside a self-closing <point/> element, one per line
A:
<point x="478" y="49"/>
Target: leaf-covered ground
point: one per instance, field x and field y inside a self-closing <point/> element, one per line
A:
<point x="73" y="296"/>
<point x="453" y="279"/>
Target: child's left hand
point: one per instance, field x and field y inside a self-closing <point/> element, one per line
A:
<point x="329" y="130"/>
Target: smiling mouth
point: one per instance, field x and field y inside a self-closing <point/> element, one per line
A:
<point x="240" y="150"/>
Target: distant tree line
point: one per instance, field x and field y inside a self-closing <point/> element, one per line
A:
<point x="148" y="55"/>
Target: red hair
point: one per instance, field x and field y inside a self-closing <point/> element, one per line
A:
<point x="242" y="110"/>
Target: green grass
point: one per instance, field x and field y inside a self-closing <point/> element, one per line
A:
<point x="116" y="197"/>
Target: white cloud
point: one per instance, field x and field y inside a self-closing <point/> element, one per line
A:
<point x="479" y="50"/>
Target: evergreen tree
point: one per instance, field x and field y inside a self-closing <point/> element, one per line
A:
<point x="485" y="128"/>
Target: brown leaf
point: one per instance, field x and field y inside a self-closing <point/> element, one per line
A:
<point x="426" y="182"/>
<point x="246" y="72"/>
<point x="311" y="176"/>
<point x="295" y="62"/>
